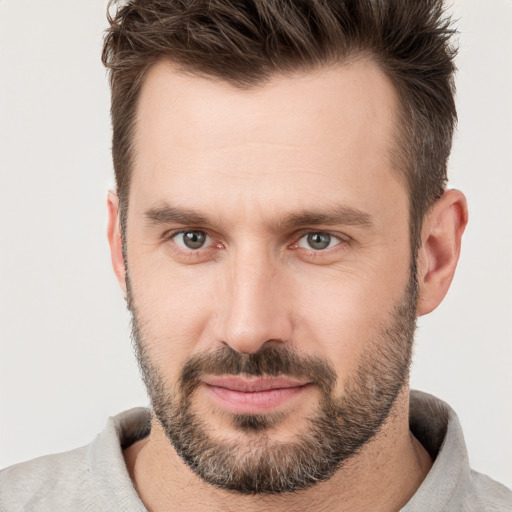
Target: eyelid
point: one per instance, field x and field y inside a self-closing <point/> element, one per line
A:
<point x="335" y="234"/>
<point x="182" y="246"/>
<point x="342" y="238"/>
<point x="171" y="234"/>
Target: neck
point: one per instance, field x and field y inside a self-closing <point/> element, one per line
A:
<point x="382" y="476"/>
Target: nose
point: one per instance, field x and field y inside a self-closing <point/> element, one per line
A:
<point x="256" y="307"/>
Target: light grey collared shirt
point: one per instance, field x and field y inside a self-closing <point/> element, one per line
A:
<point x="94" y="478"/>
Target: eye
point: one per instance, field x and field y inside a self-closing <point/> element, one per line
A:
<point x="318" y="241"/>
<point x="191" y="240"/>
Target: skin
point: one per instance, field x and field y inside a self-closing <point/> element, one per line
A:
<point x="246" y="160"/>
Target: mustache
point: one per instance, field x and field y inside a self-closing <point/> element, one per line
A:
<point x="268" y="361"/>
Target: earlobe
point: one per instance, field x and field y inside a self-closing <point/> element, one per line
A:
<point x="114" y="239"/>
<point x="440" y="248"/>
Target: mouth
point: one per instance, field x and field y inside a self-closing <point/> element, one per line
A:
<point x="254" y="395"/>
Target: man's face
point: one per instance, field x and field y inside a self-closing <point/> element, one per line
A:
<point x="269" y="270"/>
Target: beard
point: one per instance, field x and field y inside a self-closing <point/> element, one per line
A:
<point x="339" y="428"/>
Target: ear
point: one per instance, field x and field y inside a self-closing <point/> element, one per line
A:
<point x="114" y="239"/>
<point x="440" y="248"/>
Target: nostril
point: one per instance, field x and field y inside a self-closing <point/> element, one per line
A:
<point x="248" y="347"/>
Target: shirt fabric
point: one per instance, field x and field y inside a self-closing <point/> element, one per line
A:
<point x="95" y="477"/>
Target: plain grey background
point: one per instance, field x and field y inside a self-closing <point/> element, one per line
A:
<point x="65" y="354"/>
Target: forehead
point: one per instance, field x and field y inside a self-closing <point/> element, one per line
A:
<point x="323" y="132"/>
<point x="192" y="108"/>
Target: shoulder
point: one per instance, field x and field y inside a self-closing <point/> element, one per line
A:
<point x="491" y="496"/>
<point x="451" y="485"/>
<point x="34" y="485"/>
<point x="93" y="478"/>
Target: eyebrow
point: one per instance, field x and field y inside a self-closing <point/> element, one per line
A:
<point x="168" y="214"/>
<point x="338" y="215"/>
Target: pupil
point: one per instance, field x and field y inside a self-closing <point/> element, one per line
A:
<point x="319" y="241"/>
<point x="194" y="239"/>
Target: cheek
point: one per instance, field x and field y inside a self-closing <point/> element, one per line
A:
<point x="343" y="315"/>
<point x="172" y="311"/>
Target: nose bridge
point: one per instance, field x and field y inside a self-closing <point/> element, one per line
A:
<point x="256" y="311"/>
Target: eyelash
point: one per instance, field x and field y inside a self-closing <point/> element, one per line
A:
<point x="342" y="239"/>
<point x="169" y="237"/>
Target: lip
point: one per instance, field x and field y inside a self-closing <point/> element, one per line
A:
<point x="253" y="395"/>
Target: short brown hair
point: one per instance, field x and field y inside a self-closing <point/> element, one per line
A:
<point x="245" y="42"/>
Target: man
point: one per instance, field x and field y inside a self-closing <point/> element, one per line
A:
<point x="280" y="221"/>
